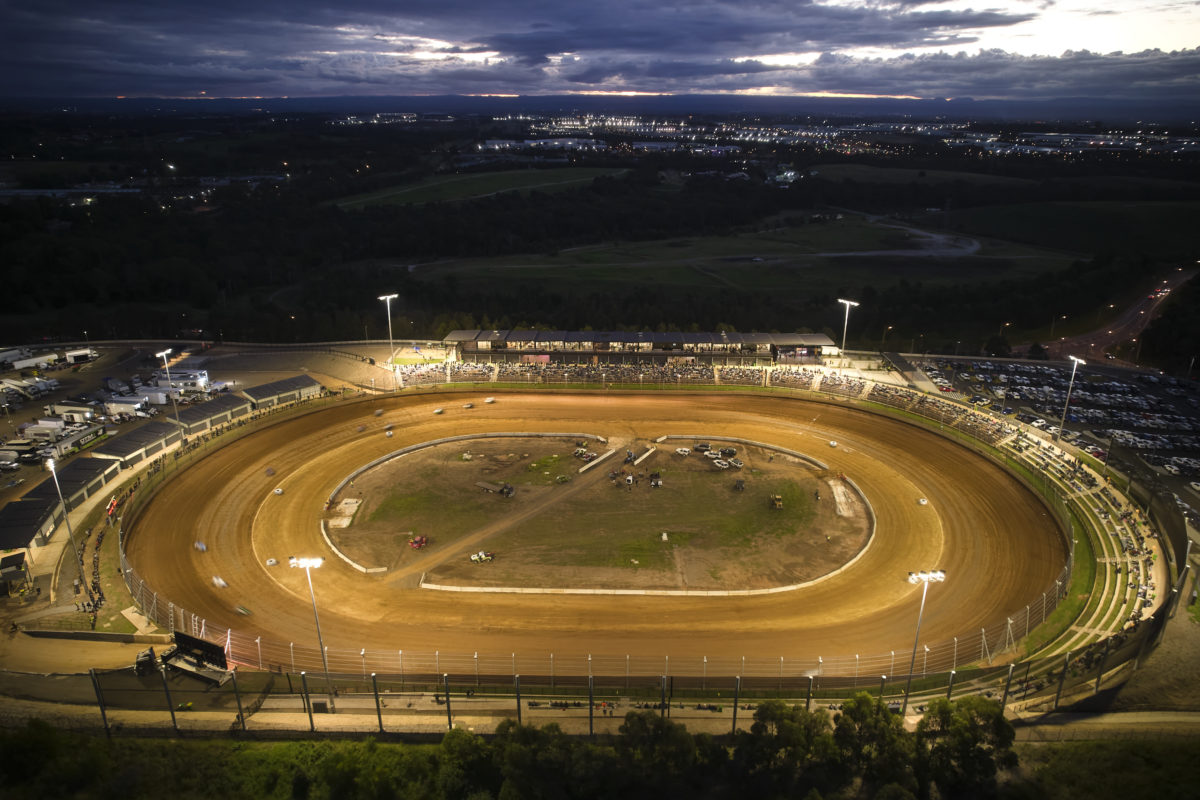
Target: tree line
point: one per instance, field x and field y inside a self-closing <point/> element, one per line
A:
<point x="958" y="750"/>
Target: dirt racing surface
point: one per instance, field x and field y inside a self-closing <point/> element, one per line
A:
<point x="998" y="545"/>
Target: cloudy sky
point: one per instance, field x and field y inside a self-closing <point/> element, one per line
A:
<point x="1008" y="49"/>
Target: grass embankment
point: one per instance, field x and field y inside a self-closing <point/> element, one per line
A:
<point x="451" y="188"/>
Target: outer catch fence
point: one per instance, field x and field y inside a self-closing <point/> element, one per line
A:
<point x="567" y="670"/>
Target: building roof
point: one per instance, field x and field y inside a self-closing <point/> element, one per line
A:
<point x="132" y="441"/>
<point x="21" y="520"/>
<point x="630" y="337"/>
<point x="211" y="409"/>
<point x="283" y="386"/>
<point x="73" y="477"/>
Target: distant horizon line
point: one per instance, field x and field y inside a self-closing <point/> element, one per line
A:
<point x="1073" y="108"/>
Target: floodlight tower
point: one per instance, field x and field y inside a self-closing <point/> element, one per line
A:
<point x="87" y="587"/>
<point x="167" y="371"/>
<point x="387" y="301"/>
<point x="924" y="578"/>
<point x="846" y="322"/>
<point x="308" y="565"/>
<point x="1075" y="363"/>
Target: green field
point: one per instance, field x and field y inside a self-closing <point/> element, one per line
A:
<point x="864" y="173"/>
<point x="451" y="188"/>
<point x="560" y="521"/>
<point x="783" y="259"/>
<point x="1157" y="229"/>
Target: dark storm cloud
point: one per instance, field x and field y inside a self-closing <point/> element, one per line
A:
<point x="268" y="48"/>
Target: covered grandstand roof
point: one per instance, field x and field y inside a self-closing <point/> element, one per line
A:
<point x="213" y="412"/>
<point x="134" y="441"/>
<point x="655" y="337"/>
<point x="281" y="387"/>
<point x="21" y="521"/>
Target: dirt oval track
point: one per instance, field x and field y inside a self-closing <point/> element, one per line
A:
<point x="998" y="545"/>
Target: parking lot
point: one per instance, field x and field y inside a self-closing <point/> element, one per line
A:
<point x="1141" y="424"/>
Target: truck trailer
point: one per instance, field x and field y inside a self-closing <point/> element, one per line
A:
<point x="81" y="356"/>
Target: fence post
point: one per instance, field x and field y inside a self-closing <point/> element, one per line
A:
<point x="517" y="686"/>
<point x="808" y="700"/>
<point x="626" y="670"/>
<point x="552" y="670"/>
<point x="446" y="686"/>
<point x="258" y="641"/>
<point x="378" y="707"/>
<point x="237" y="693"/>
<point x="950" y="688"/>
<point x="476" y="667"/>
<point x="100" y="700"/>
<point x="662" y="701"/>
<point x="591" y="708"/>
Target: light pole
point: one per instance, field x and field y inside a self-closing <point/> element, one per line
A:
<point x="883" y="341"/>
<point x="924" y="578"/>
<point x="1052" y="323"/>
<point x="1000" y="333"/>
<point x="167" y="371"/>
<point x="1075" y="362"/>
<point x="309" y="564"/>
<point x="387" y="301"/>
<point x="70" y="533"/>
<point x="846" y="324"/>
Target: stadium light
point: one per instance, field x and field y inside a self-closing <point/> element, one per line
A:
<point x="167" y="371"/>
<point x="924" y="578"/>
<point x="846" y="323"/>
<point x="70" y="533"/>
<point x="308" y="565"/>
<point x="1075" y="362"/>
<point x="387" y="301"/>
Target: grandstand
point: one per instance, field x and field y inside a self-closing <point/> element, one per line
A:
<point x="637" y="347"/>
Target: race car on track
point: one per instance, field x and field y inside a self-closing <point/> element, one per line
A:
<point x="482" y="556"/>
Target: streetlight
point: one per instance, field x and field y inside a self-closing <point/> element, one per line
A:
<point x="882" y="341"/>
<point x="1000" y="333"/>
<point x="924" y="578"/>
<point x="846" y="323"/>
<point x="387" y="301"/>
<point x="167" y="371"/>
<point x="308" y="565"/>
<point x="70" y="533"/>
<point x="1075" y="362"/>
